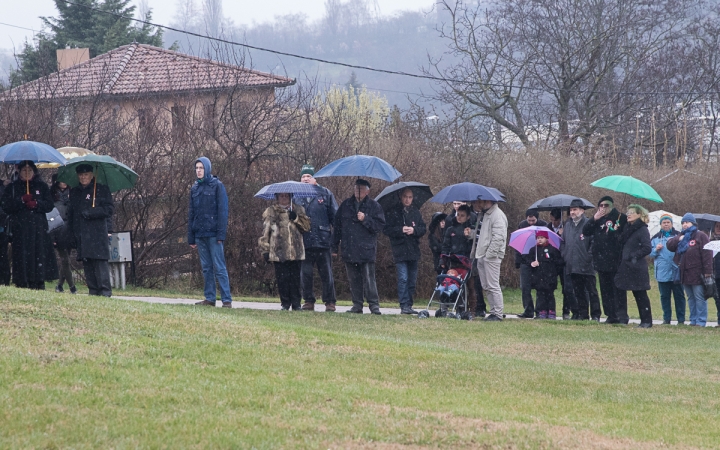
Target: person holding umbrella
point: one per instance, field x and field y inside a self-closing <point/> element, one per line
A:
<point x="26" y="201"/>
<point x="404" y="226"/>
<point x="531" y="219"/>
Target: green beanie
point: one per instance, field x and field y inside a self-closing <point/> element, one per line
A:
<point x="307" y="168"/>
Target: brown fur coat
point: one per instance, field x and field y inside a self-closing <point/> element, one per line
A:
<point x="281" y="238"/>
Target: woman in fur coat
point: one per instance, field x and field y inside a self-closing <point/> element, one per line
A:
<point x="282" y="243"/>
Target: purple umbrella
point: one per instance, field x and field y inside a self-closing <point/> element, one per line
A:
<point x="523" y="239"/>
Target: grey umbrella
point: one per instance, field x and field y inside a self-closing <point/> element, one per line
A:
<point x="561" y="201"/>
<point x="389" y="198"/>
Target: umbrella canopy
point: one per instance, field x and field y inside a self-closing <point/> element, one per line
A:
<point x="654" y="222"/>
<point x="68" y="153"/>
<point x="523" y="239"/>
<point x="628" y="185"/>
<point x="113" y="174"/>
<point x="714" y="246"/>
<point x="289" y="187"/>
<point x="561" y="201"/>
<point x="706" y="221"/>
<point x="360" y="166"/>
<point x="467" y="192"/>
<point x="33" y="151"/>
<point x="389" y="198"/>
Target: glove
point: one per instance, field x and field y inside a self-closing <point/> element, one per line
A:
<point x="292" y="215"/>
<point x="32" y="204"/>
<point x="266" y="257"/>
<point x="26" y="198"/>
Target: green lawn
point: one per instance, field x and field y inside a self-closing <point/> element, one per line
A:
<point x="84" y="372"/>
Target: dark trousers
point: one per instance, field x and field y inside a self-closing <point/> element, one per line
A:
<point x="287" y="277"/>
<point x="614" y="301"/>
<point x="65" y="270"/>
<point x="527" y="299"/>
<point x="476" y="298"/>
<point x="4" y="260"/>
<point x="97" y="276"/>
<point x="643" y="304"/>
<point x="569" y="302"/>
<point x="362" y="284"/>
<point x="668" y="289"/>
<point x="717" y="299"/>
<point x="545" y="300"/>
<point x="585" y="289"/>
<point x="323" y="260"/>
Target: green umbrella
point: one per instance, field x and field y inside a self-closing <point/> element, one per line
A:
<point x="113" y="174"/>
<point x="628" y="185"/>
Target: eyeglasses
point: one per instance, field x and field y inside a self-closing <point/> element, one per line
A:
<point x="606" y="205"/>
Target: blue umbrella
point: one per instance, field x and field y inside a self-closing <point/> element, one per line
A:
<point x="289" y="187"/>
<point x="33" y="151"/>
<point x="467" y="192"/>
<point x="360" y="166"/>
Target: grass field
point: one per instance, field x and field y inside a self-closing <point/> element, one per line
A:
<point x="85" y="372"/>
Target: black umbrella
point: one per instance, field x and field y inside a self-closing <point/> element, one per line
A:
<point x="561" y="201"/>
<point x="706" y="221"/>
<point x="389" y="198"/>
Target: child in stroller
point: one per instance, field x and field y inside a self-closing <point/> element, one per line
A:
<point x="450" y="295"/>
<point x="449" y="286"/>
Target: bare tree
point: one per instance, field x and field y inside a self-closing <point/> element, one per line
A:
<point x="213" y="17"/>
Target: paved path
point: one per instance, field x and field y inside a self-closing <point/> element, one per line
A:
<point x="318" y="308"/>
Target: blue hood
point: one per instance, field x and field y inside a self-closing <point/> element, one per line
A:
<point x="208" y="167"/>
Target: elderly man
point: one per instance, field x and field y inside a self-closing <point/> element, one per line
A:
<point x="489" y="251"/>
<point x="321" y="211"/>
<point x="531" y="219"/>
<point x="575" y="250"/>
<point x="358" y="221"/>
<point x="405" y="227"/>
<point x="605" y="228"/>
<point x="89" y="217"/>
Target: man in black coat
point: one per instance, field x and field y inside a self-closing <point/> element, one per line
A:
<point x="575" y="249"/>
<point x="605" y="228"/>
<point x="358" y="221"/>
<point x="531" y="219"/>
<point x="321" y="211"/>
<point x="89" y="213"/>
<point x="404" y="226"/>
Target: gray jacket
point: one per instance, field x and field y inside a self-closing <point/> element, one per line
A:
<point x="576" y="249"/>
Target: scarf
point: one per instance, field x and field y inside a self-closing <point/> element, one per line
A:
<point x="685" y="243"/>
<point x="630" y="229"/>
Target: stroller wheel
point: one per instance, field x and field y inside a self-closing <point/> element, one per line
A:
<point x="464" y="315"/>
<point x="424" y="314"/>
<point x="452" y="316"/>
<point x="440" y="313"/>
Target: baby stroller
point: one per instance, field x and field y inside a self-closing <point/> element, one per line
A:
<point x="450" y="294"/>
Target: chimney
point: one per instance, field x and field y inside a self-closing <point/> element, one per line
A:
<point x="69" y="57"/>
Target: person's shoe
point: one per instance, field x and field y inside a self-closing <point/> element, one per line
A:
<point x="566" y="316"/>
<point x="552" y="315"/>
<point x="297" y="307"/>
<point x="480" y="313"/>
<point x="595" y="319"/>
<point x="329" y="307"/>
<point x="227" y="305"/>
<point x="576" y="317"/>
<point x="542" y="315"/>
<point x="492" y="318"/>
<point x="308" y="306"/>
<point x="355" y="310"/>
<point x="470" y="316"/>
<point x="205" y="303"/>
<point x="666" y="322"/>
<point x="376" y="311"/>
<point x="610" y="321"/>
<point x="408" y="310"/>
<point x="285" y="307"/>
<point x="645" y="325"/>
<point x="73" y="290"/>
<point x="525" y="316"/>
<point x="59" y="289"/>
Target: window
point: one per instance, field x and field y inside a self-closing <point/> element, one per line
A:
<point x="179" y="120"/>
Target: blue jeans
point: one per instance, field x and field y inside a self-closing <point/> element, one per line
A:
<point x="212" y="260"/>
<point x="697" y="303"/>
<point x="406" y="280"/>
<point x="667" y="288"/>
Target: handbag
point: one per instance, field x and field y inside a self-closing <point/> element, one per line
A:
<point x="709" y="287"/>
<point x="54" y="220"/>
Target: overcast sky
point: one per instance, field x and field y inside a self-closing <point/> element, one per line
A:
<point x="25" y="13"/>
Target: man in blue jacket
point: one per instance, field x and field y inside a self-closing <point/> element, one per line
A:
<point x="321" y="210"/>
<point x="207" y="225"/>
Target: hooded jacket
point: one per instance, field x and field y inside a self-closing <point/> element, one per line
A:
<point x="605" y="233"/>
<point x="404" y="247"/>
<point x="208" y="213"/>
<point x="665" y="268"/>
<point x="282" y="238"/>
<point x="435" y="233"/>
<point x="696" y="261"/>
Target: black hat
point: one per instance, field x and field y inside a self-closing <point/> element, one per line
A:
<point x="361" y="182"/>
<point x="577" y="203"/>
<point x="608" y="198"/>
<point x="532" y="212"/>
<point x="556" y="213"/>
<point x="83" y="168"/>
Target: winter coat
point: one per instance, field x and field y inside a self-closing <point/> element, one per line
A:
<point x="605" y="246"/>
<point x="524" y="224"/>
<point x="696" y="262"/>
<point x="62" y="237"/>
<point x="544" y="277"/>
<point x="492" y="237"/>
<point x="282" y="238"/>
<point x="208" y="212"/>
<point x="90" y="224"/>
<point x="632" y="273"/>
<point x="665" y="268"/>
<point x="436" y="235"/>
<point x="576" y="249"/>
<point x="404" y="247"/>
<point x="455" y="241"/>
<point x="321" y="211"/>
<point x="358" y="240"/>
<point x="33" y="257"/>
<point x="450" y="217"/>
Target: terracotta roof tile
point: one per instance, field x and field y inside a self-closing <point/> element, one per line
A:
<point x="138" y="69"/>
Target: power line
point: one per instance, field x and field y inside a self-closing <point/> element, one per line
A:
<point x="17" y="26"/>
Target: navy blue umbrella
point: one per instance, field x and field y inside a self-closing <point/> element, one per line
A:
<point x="33" y="151"/>
<point x="289" y="187"/>
<point x="468" y="192"/>
<point x="360" y="166"/>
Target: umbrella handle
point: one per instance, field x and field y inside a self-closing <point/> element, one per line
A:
<point x="94" y="192"/>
